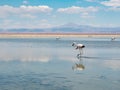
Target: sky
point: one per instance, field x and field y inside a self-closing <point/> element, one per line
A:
<point x="51" y="13"/>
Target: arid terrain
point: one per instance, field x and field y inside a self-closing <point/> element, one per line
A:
<point x="56" y="35"/>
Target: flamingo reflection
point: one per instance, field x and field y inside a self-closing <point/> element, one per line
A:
<point x="79" y="65"/>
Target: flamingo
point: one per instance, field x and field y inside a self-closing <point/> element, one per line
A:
<point x="79" y="46"/>
<point x="57" y="38"/>
<point x="113" y="38"/>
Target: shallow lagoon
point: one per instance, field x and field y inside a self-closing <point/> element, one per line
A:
<point x="47" y="64"/>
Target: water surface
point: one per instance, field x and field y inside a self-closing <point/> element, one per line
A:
<point x="47" y="64"/>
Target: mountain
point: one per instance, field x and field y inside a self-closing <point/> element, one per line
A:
<point x="71" y="27"/>
<point x="66" y="28"/>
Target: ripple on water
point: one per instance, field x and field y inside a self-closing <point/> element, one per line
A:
<point x="33" y="82"/>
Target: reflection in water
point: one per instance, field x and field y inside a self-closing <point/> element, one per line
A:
<point x="79" y="65"/>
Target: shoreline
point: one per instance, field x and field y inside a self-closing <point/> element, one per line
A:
<point x="56" y="35"/>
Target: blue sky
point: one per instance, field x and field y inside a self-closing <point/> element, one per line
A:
<point x="50" y="13"/>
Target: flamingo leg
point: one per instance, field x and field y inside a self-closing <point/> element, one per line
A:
<point x="81" y="51"/>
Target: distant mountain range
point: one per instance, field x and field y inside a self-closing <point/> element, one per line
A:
<point x="67" y="28"/>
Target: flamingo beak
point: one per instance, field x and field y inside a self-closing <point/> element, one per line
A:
<point x="83" y="46"/>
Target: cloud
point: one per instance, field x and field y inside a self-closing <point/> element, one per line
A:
<point x="25" y="2"/>
<point x="28" y="16"/>
<point x="7" y="10"/>
<point x="84" y="11"/>
<point x="91" y="0"/>
<point x="24" y="15"/>
<point x="35" y="9"/>
<point x="29" y="24"/>
<point x="111" y="3"/>
<point x="76" y="10"/>
<point x="114" y="9"/>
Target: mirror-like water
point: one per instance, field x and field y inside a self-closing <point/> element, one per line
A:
<point x="50" y="64"/>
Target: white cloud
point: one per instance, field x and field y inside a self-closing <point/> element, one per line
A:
<point x="75" y="9"/>
<point x="35" y="9"/>
<point x="24" y="15"/>
<point x="7" y="10"/>
<point x="44" y="21"/>
<point x="30" y="24"/>
<point x="25" y="2"/>
<point x="115" y="9"/>
<point x="28" y="16"/>
<point x="111" y="3"/>
<point x="86" y="15"/>
<point x="84" y="11"/>
<point x="90" y="0"/>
